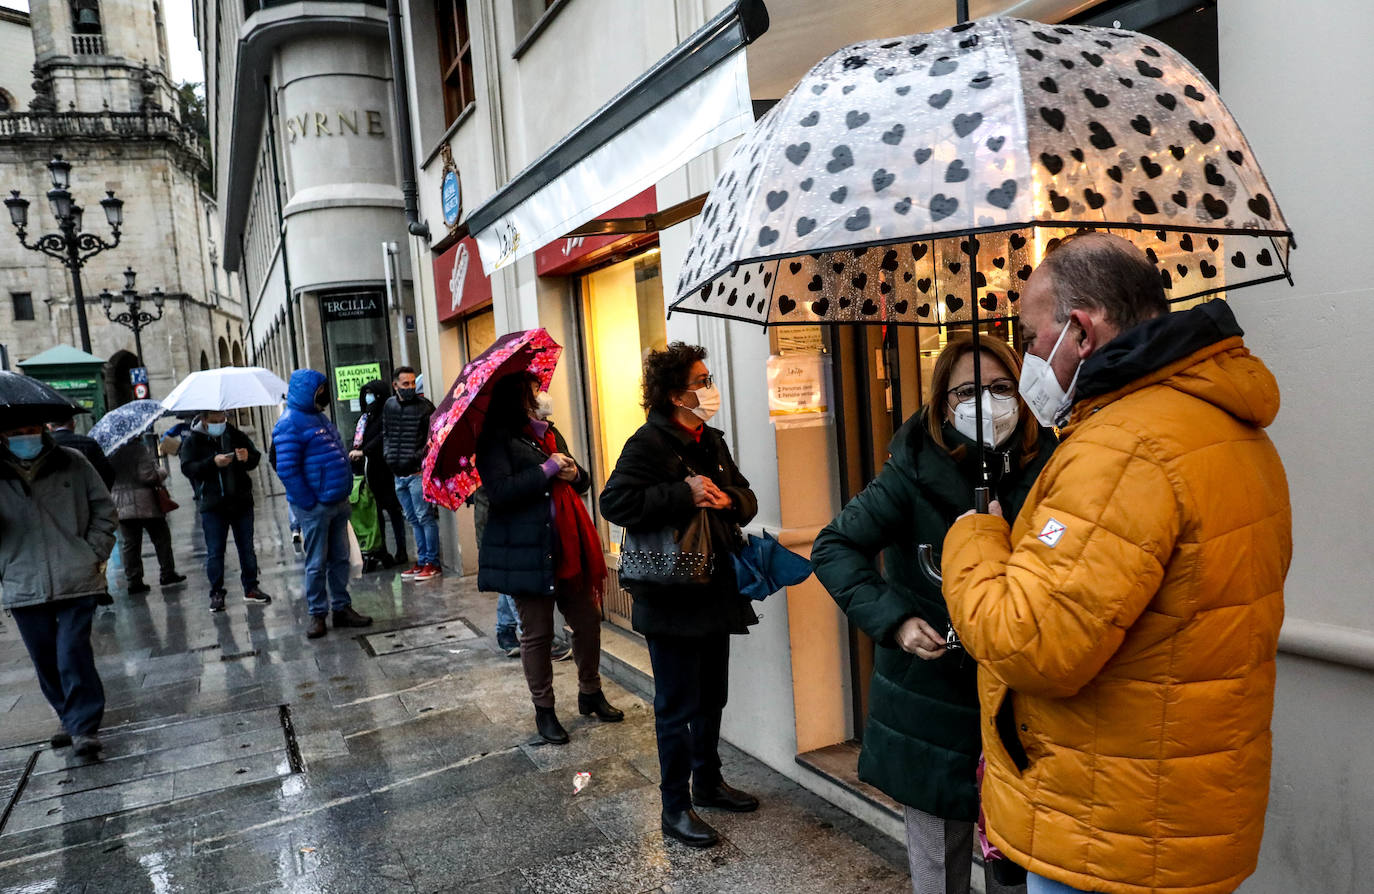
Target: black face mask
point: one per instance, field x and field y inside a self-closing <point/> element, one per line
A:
<point x="405" y="394"/>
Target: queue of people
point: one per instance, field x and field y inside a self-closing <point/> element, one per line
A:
<point x="1089" y="649"/>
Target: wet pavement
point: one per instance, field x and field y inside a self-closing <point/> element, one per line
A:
<point x="241" y="757"/>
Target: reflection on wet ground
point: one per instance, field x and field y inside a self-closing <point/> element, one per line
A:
<point x="241" y="757"/>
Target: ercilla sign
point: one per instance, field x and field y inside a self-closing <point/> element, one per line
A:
<point x="459" y="284"/>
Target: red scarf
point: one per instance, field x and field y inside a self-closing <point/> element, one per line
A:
<point x="580" y="556"/>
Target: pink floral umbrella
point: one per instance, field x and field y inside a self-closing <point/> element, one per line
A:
<point x="450" y="467"/>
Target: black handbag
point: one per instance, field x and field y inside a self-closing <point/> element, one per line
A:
<point x="667" y="557"/>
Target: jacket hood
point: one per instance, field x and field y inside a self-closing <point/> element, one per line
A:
<point x="300" y="394"/>
<point x="1199" y="351"/>
<point x="378" y="389"/>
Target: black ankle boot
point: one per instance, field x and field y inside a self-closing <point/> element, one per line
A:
<point x="687" y="827"/>
<point x="595" y="703"/>
<point x="546" y="721"/>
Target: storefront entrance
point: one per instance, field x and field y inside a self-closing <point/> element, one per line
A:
<point x="881" y="379"/>
<point x="357" y="349"/>
<point x="621" y="310"/>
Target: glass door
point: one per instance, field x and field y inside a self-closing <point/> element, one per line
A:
<point x="622" y="317"/>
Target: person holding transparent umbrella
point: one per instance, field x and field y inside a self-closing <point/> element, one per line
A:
<point x="921" y="740"/>
<point x="1126" y="624"/>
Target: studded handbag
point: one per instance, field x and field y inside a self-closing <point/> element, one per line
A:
<point x="667" y="556"/>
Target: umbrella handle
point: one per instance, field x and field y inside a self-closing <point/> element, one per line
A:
<point x="925" y="560"/>
<point x="982" y="499"/>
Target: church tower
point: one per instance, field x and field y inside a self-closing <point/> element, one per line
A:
<point x="103" y="98"/>
<point x="93" y="55"/>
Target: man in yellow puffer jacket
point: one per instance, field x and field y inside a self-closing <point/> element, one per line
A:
<point x="1126" y="624"/>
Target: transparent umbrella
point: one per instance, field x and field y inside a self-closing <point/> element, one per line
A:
<point x="122" y="424"/>
<point x="920" y="179"/>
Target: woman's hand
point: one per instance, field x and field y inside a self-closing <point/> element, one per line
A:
<point x="705" y="494"/>
<point x="920" y="639"/>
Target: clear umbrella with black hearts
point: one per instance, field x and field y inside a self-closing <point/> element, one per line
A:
<point x="919" y="180"/>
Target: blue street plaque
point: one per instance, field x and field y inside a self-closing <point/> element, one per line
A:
<point x="452" y="198"/>
<point x="138" y="375"/>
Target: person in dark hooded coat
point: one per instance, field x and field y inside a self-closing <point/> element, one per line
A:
<point x="366" y="456"/>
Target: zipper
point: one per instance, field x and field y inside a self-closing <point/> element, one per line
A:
<point x="1006" y="463"/>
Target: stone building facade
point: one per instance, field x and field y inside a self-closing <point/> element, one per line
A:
<point x="301" y="99"/>
<point x="101" y="97"/>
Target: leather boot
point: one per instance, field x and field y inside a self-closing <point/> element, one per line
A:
<point x="348" y="617"/>
<point x="723" y="797"/>
<point x="687" y="827"/>
<point x="316" y="628"/>
<point x="595" y="703"/>
<point x="546" y="721"/>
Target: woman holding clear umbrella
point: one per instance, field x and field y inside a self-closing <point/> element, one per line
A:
<point x="921" y="741"/>
<point x="138" y="479"/>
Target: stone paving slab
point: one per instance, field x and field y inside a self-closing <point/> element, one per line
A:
<point x="422" y="771"/>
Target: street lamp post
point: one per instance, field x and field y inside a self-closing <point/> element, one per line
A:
<point x="135" y="317"/>
<point x="70" y="244"/>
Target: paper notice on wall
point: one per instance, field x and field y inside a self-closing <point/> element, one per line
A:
<point x="799" y="390"/>
<point x="349" y="380"/>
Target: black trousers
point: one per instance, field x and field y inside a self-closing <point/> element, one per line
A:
<point x="131" y="547"/>
<point x="691" y="686"/>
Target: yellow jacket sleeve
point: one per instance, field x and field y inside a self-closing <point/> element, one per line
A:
<point x="1044" y="609"/>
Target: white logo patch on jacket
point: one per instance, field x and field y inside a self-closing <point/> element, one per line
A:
<point x="1052" y="533"/>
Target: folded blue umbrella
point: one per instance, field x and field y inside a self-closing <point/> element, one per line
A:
<point x="764" y="566"/>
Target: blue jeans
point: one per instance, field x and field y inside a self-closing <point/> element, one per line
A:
<point x="424" y="521"/>
<point x="217" y="528"/>
<point x="58" y="637"/>
<point x="507" y="622"/>
<point x="1038" y="884"/>
<point x="324" y="530"/>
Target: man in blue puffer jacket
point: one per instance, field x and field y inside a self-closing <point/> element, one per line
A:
<point x="313" y="465"/>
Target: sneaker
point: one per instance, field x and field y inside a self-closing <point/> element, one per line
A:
<point x="256" y="597"/>
<point x="217" y="601"/>
<point x="86" y="746"/>
<point x="560" y="651"/>
<point x="411" y="573"/>
<point x="296" y="537"/>
<point x="428" y="572"/>
<point x="171" y="580"/>
<point x="137" y="587"/>
<point x="513" y="652"/>
<point x="60" y="739"/>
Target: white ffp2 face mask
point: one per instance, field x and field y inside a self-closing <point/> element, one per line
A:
<point x="543" y="405"/>
<point x="1040" y="386"/>
<point x="708" y="403"/>
<point x="1000" y="415"/>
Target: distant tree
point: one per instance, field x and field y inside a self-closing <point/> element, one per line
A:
<point x="192" y="99"/>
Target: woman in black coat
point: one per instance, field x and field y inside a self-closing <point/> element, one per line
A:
<point x="366" y="455"/>
<point x="672" y="467"/>
<point x="540" y="546"/>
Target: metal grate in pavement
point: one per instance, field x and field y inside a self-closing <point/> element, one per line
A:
<point x="423" y="636"/>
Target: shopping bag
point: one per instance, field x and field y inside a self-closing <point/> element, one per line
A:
<point x="355" y="555"/>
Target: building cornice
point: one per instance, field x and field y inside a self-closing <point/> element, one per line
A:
<point x="262" y="33"/>
<point x="15" y="16"/>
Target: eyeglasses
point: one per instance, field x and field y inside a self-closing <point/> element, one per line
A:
<point x="703" y="381"/>
<point x="1002" y="389"/>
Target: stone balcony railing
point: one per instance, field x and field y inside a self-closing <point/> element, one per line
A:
<point x="99" y="125"/>
<point x="88" y="44"/>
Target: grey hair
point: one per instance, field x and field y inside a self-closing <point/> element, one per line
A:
<point x="1108" y="273"/>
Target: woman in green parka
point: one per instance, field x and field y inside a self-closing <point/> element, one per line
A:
<point x="921" y="741"/>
